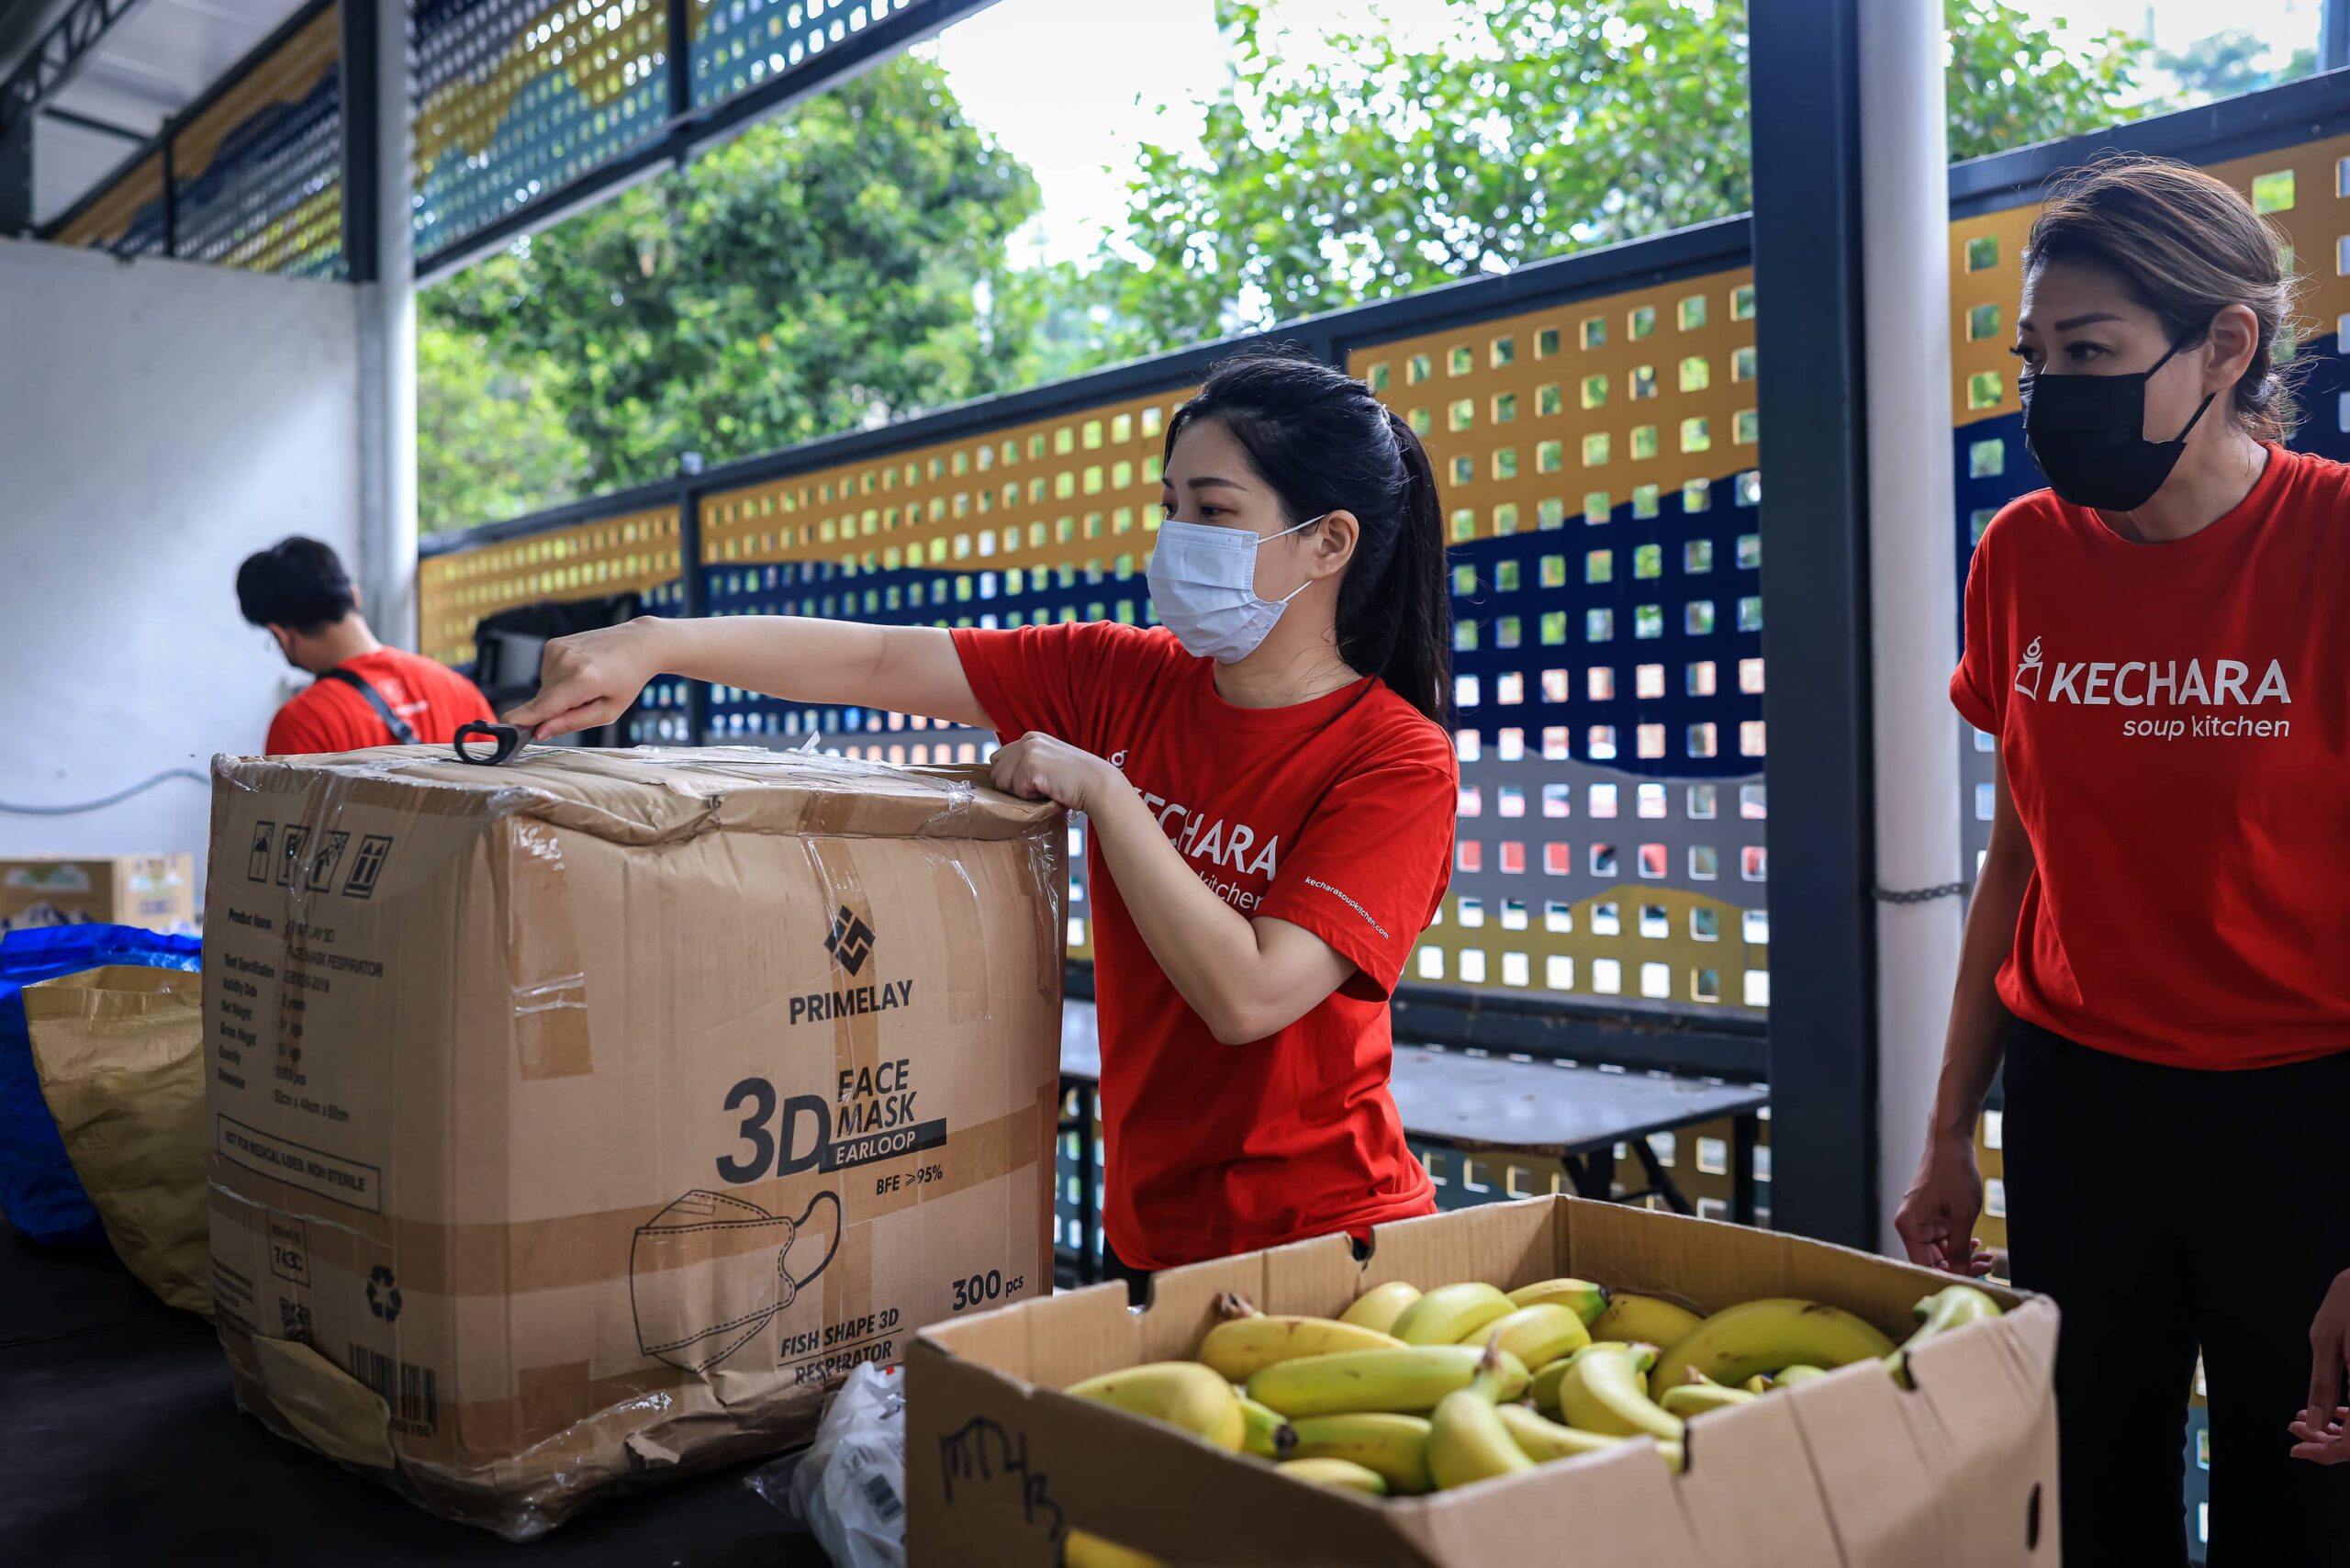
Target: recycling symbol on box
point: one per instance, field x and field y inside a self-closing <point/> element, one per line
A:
<point x="382" y="1293"/>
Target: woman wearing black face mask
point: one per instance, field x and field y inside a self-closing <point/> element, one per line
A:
<point x="2159" y="943"/>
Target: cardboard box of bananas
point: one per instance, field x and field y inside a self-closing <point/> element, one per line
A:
<point x="1552" y="1381"/>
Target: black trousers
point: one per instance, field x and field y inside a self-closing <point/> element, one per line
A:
<point x="2166" y="1209"/>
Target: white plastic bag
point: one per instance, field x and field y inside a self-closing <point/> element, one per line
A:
<point x="850" y="1486"/>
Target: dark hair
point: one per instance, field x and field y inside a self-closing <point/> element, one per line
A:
<point x="296" y="582"/>
<point x="1325" y="443"/>
<point x="2187" y="246"/>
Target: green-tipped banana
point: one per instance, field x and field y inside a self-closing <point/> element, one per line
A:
<point x="1733" y="1345"/>
<point x="1787" y="1377"/>
<point x="1380" y="1305"/>
<point x="1451" y="1313"/>
<point x="1644" y="1319"/>
<point x="1581" y="1297"/>
<point x="1240" y="1347"/>
<point x="1537" y="1335"/>
<point x="1946" y="1309"/>
<point x="1601" y="1392"/>
<point x="1410" y="1380"/>
<point x="1691" y="1399"/>
<point x="1181" y="1394"/>
<point x="1467" y="1441"/>
<point x="1544" y="1440"/>
<point x="1266" y="1431"/>
<point x="1395" y="1446"/>
<point x="1080" y="1550"/>
<point x="1342" y="1473"/>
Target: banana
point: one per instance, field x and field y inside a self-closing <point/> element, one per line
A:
<point x="1265" y="1432"/>
<point x="1242" y="1347"/>
<point x="1340" y="1473"/>
<point x="1380" y="1305"/>
<point x="1787" y="1377"/>
<point x="1411" y="1380"/>
<point x="1181" y="1394"/>
<point x="1758" y="1383"/>
<point x="1543" y="1442"/>
<point x="1734" y="1344"/>
<point x="1395" y="1446"/>
<point x="1467" y="1441"/>
<point x="1644" y="1319"/>
<point x="1601" y="1392"/>
<point x="1080" y="1550"/>
<point x="1581" y="1297"/>
<point x="1939" y="1314"/>
<point x="1545" y="1388"/>
<point x="1689" y="1399"/>
<point x="1450" y="1313"/>
<point x="1536" y="1335"/>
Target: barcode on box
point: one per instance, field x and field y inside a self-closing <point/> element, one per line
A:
<point x="410" y="1390"/>
<point x="883" y="1497"/>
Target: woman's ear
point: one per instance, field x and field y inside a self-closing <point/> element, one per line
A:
<point x="1331" y="543"/>
<point x="2235" y="335"/>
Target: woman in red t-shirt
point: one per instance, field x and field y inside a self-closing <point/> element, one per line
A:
<point x="2159" y="942"/>
<point x="1268" y="782"/>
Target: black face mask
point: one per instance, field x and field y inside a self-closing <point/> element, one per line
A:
<point x="2088" y="435"/>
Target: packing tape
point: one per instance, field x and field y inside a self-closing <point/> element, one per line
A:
<point x="544" y="973"/>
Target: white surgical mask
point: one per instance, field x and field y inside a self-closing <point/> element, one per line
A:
<point x="1204" y="584"/>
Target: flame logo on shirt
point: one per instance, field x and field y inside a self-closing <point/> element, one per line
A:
<point x="2027" y="672"/>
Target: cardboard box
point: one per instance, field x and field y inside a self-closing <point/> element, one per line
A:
<point x="1849" y="1469"/>
<point x="156" y="892"/>
<point x="581" y="1121"/>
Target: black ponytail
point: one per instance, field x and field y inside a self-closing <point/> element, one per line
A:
<point x="1323" y="443"/>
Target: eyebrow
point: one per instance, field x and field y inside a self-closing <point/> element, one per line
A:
<point x="1206" y="482"/>
<point x="2071" y="323"/>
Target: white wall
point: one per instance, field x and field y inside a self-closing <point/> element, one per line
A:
<point x="159" y="421"/>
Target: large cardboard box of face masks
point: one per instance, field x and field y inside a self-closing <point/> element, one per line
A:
<point x="578" y="1122"/>
<point x="1959" y="1472"/>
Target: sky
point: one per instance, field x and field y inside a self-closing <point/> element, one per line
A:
<point x="1071" y="87"/>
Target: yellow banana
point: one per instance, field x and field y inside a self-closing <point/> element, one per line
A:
<point x="1581" y="1297"/>
<point x="1601" y="1392"/>
<point x="1242" y="1347"/>
<point x="1411" y="1380"/>
<point x="1467" y="1441"/>
<point x="1181" y="1394"/>
<point x="1080" y="1550"/>
<point x="1380" y="1305"/>
<point x="1734" y="1344"/>
<point x="1340" y="1473"/>
<point x="1545" y="1387"/>
<point x="1939" y="1314"/>
<point x="1689" y="1399"/>
<point x="1450" y="1313"/>
<point x="1758" y="1383"/>
<point x="1644" y="1319"/>
<point x="1543" y="1442"/>
<point x="1395" y="1446"/>
<point x="1536" y="1335"/>
<point x="1787" y="1377"/>
<point x="1265" y="1431"/>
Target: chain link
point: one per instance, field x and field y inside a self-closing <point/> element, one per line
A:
<point x="1921" y="895"/>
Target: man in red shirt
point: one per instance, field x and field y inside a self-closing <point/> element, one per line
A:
<point x="366" y="694"/>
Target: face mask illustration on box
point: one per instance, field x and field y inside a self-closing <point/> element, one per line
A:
<point x="709" y="1272"/>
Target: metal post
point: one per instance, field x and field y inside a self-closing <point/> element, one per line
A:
<point x="169" y="141"/>
<point x="1804" y="84"/>
<point x="696" y="584"/>
<point x="2333" y="36"/>
<point x="681" y="60"/>
<point x="375" y="208"/>
<point x="17" y="178"/>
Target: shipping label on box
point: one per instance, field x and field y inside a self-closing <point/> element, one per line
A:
<point x="595" y="1114"/>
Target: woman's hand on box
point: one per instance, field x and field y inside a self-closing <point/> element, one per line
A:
<point x="589" y="678"/>
<point x="1936" y="1222"/>
<point x="1040" y="767"/>
<point x="2324" y="1427"/>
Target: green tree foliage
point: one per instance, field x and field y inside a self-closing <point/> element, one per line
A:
<point x="819" y="273"/>
<point x="2229" y="63"/>
<point x="1548" y="126"/>
<point x="490" y="439"/>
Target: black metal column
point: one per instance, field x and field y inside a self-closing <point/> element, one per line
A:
<point x="697" y="602"/>
<point x="17" y="178"/>
<point x="1805" y="130"/>
<point x="2333" y="36"/>
<point x="363" y="121"/>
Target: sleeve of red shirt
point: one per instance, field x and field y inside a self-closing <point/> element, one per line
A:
<point x="1041" y="678"/>
<point x="1367" y="872"/>
<point x="1976" y="690"/>
<point x="296" y="732"/>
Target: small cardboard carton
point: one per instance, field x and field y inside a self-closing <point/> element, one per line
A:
<point x="581" y="1121"/>
<point x="1849" y="1469"/>
<point x="155" y="893"/>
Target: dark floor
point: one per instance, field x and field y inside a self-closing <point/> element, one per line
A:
<point x="119" y="1443"/>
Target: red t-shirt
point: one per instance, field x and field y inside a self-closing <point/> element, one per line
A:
<point x="329" y="716"/>
<point x="2175" y="721"/>
<point x="1335" y="815"/>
